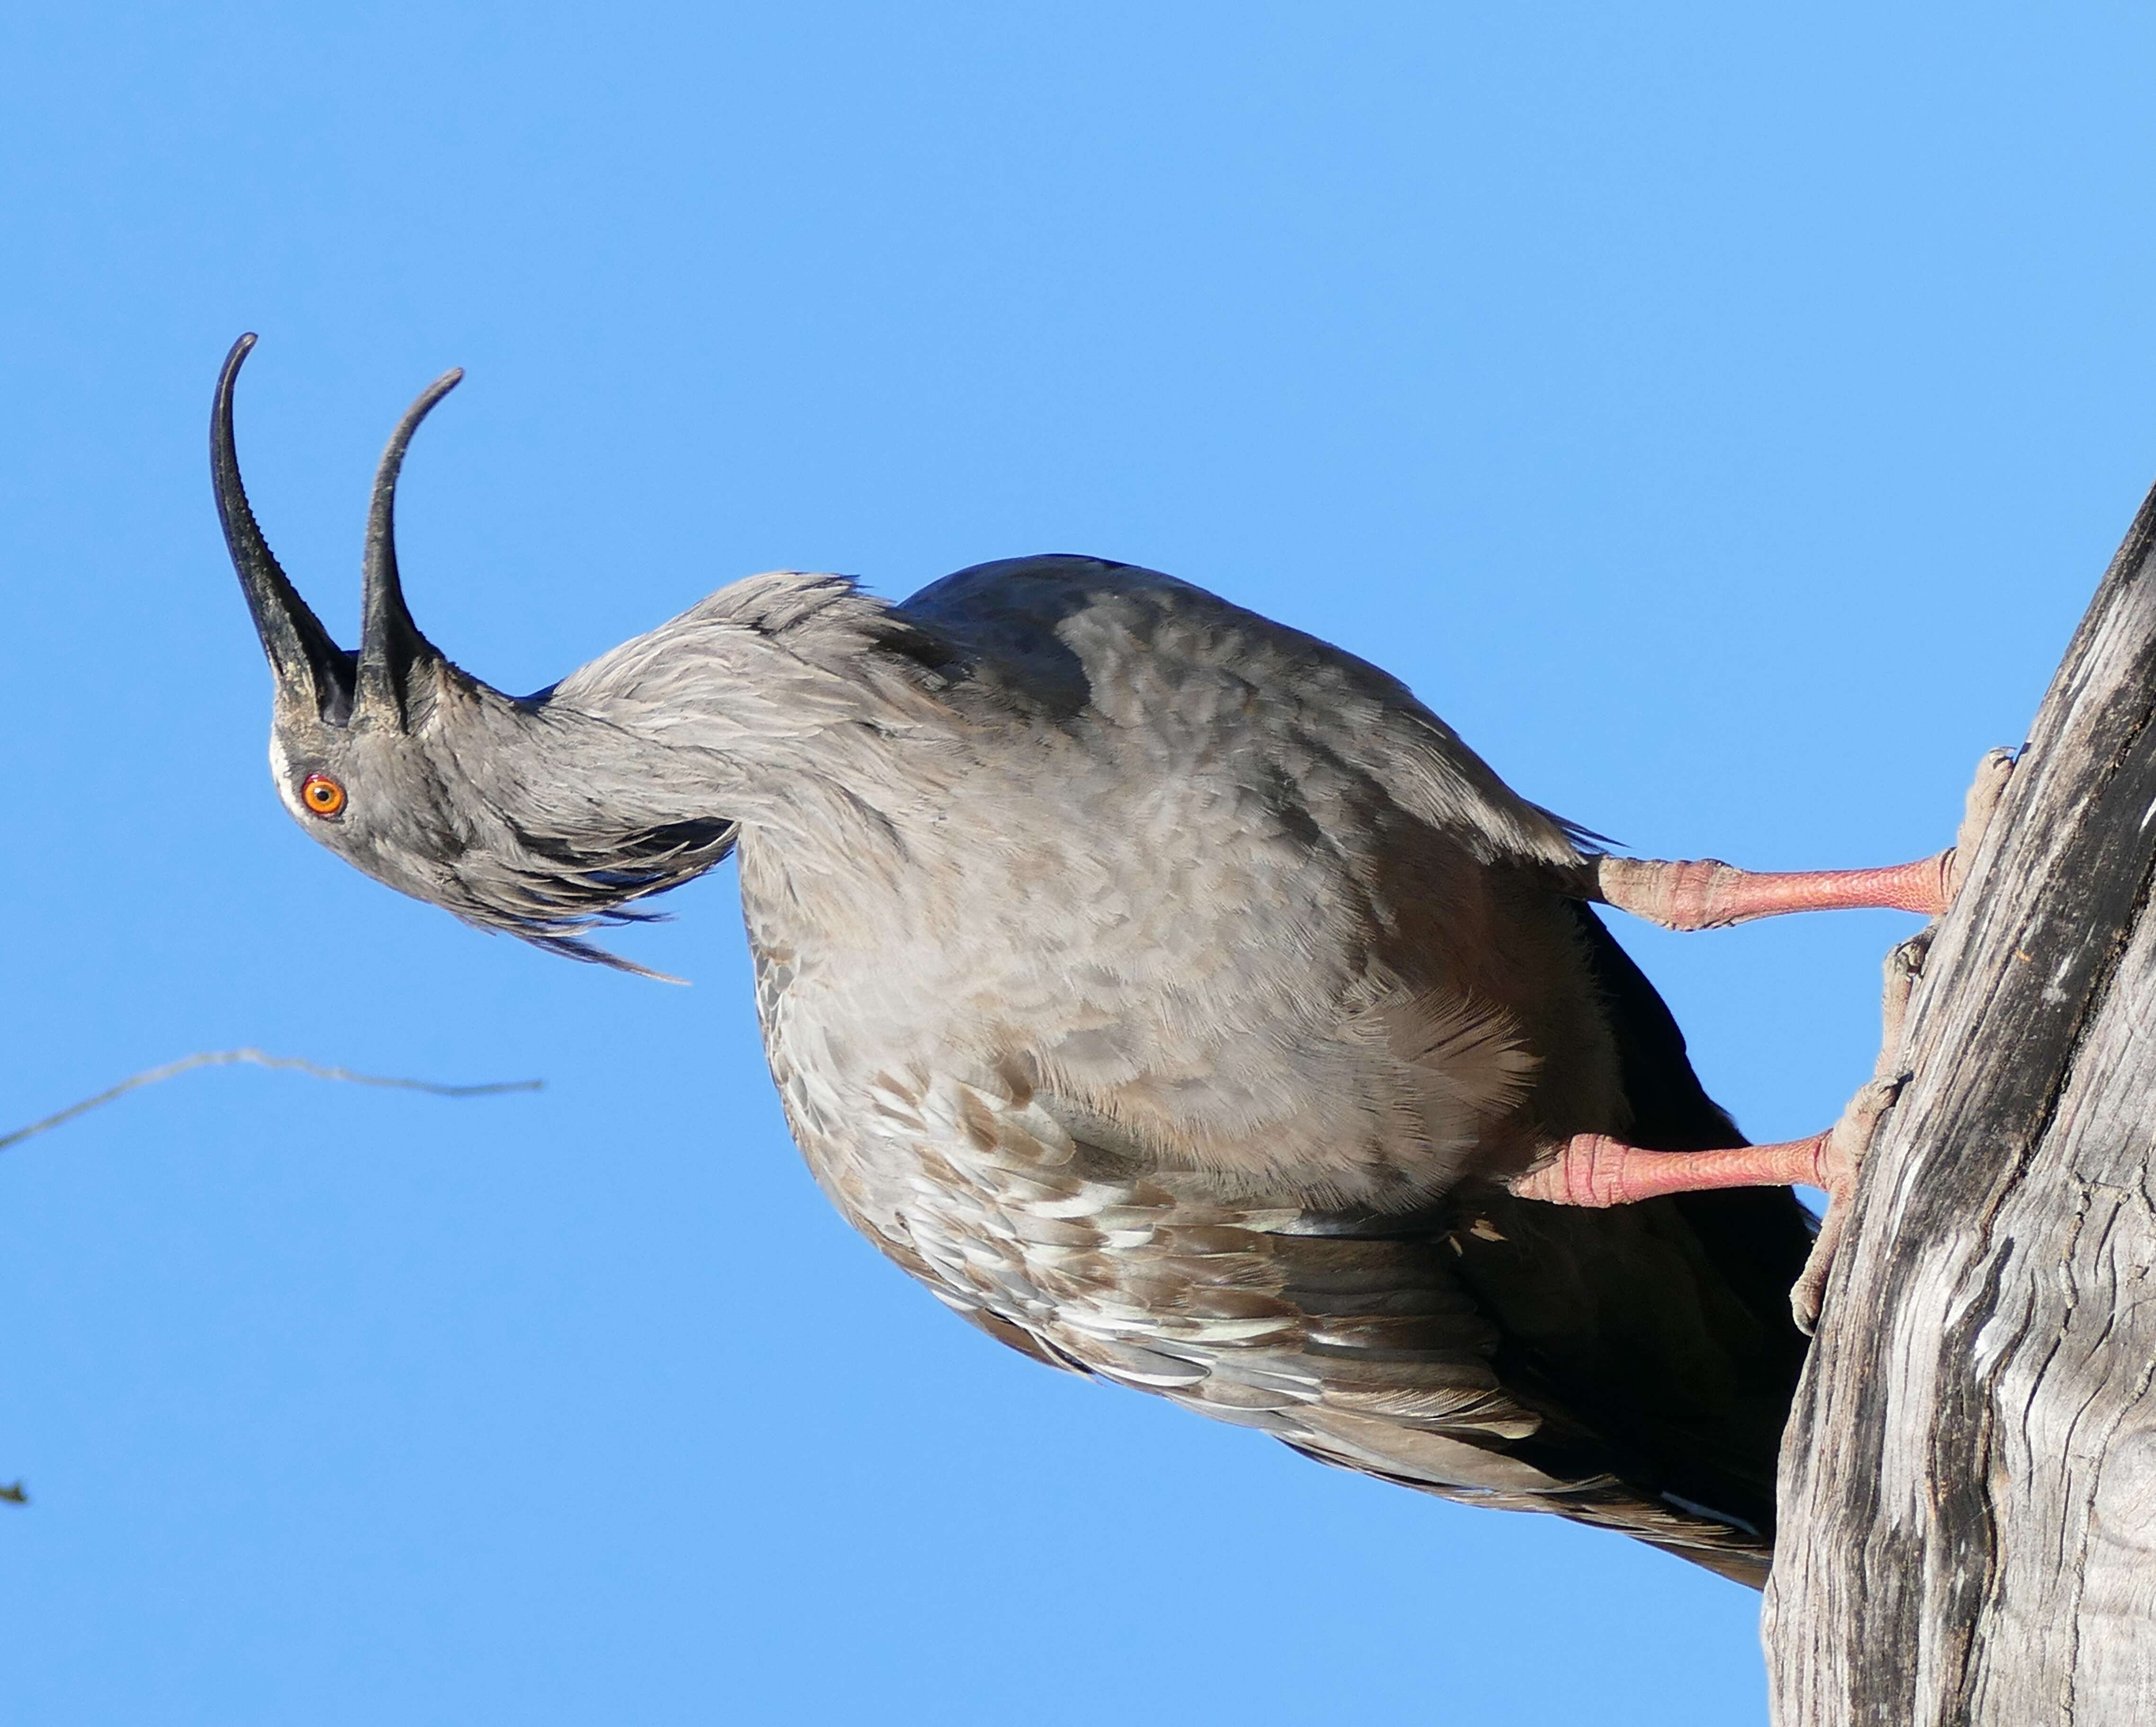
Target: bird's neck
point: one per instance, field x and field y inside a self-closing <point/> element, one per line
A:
<point x="791" y="704"/>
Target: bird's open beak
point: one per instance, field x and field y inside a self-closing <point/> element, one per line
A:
<point x="375" y="683"/>
<point x="309" y="666"/>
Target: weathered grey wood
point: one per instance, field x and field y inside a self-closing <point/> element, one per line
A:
<point x="1969" y="1481"/>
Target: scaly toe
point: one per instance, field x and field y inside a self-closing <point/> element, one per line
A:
<point x="1846" y="1143"/>
<point x="1810" y="1290"/>
<point x="1978" y="808"/>
<point x="1851" y="1137"/>
<point x="1904" y="966"/>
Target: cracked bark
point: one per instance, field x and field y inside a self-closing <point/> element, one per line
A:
<point x="1969" y="1479"/>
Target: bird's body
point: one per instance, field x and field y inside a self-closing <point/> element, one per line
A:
<point x="1170" y="992"/>
<point x="1178" y="1017"/>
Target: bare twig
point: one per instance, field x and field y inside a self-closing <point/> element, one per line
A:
<point x="257" y="1058"/>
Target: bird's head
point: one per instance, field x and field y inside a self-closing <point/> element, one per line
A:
<point x="513" y="813"/>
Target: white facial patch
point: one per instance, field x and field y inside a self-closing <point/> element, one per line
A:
<point x="280" y="775"/>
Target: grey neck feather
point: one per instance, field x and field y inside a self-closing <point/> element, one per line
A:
<point x="775" y="703"/>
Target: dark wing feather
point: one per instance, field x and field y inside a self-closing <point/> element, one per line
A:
<point x="1758" y="1238"/>
<point x="1663" y="1327"/>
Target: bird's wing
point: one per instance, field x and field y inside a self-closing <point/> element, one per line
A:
<point x="1710" y="1357"/>
<point x="1360" y="1345"/>
<point x="1062" y="634"/>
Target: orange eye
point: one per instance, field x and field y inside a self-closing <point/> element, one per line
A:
<point x="322" y="794"/>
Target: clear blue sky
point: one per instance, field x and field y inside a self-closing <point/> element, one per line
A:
<point x="1720" y="415"/>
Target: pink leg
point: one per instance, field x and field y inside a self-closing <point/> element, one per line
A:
<point x="1593" y="1169"/>
<point x="1710" y="894"/>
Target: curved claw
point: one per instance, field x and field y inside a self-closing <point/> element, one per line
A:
<point x="1843" y="1155"/>
<point x="1978" y="808"/>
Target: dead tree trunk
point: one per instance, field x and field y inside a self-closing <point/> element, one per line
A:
<point x="1969" y="1481"/>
